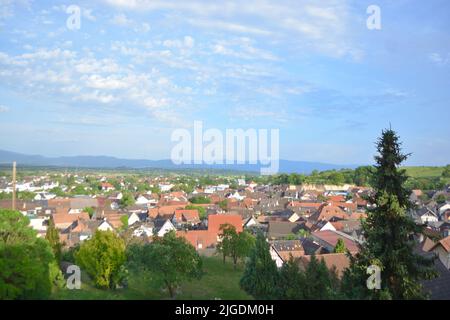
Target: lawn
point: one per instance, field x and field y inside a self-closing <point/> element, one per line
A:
<point x="424" y="172"/>
<point x="219" y="281"/>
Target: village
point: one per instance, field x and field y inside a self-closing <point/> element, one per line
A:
<point x="298" y="221"/>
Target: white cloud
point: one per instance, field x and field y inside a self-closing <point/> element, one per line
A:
<point x="439" y="59"/>
<point x="228" y="26"/>
<point x="121" y="20"/>
<point x="87" y="13"/>
<point x="96" y="96"/>
<point x="106" y="83"/>
<point x="4" y="108"/>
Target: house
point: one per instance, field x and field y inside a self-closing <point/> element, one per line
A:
<point x="142" y="200"/>
<point x="329" y="211"/>
<point x="200" y="239"/>
<point x="203" y="239"/>
<point x="39" y="224"/>
<point x="444" y="208"/>
<point x="328" y="239"/>
<point x="282" y="250"/>
<point x="217" y="220"/>
<point x="294" y="217"/>
<point x="415" y="195"/>
<point x="282" y="229"/>
<point x="442" y="251"/>
<point x="161" y="227"/>
<point x="438" y="288"/>
<point x="144" y="230"/>
<point x="105" y="225"/>
<point x="250" y="221"/>
<point x="106" y="186"/>
<point x="323" y="225"/>
<point x="425" y="215"/>
<point x="337" y="262"/>
<point x="44" y="196"/>
<point x="64" y="220"/>
<point x="137" y="217"/>
<point x="185" y="217"/>
<point x="165" y="187"/>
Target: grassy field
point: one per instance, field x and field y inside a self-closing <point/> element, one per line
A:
<point x="220" y="281"/>
<point x="424" y="172"/>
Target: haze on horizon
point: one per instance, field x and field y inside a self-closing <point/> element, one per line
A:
<point x="137" y="70"/>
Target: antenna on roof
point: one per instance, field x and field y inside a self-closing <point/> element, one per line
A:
<point x="14" y="186"/>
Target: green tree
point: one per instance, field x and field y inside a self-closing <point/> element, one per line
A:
<point x="126" y="201"/>
<point x="103" y="258"/>
<point x="260" y="278"/>
<point x="52" y="236"/>
<point x="90" y="211"/>
<point x="320" y="282"/>
<point x="441" y="199"/>
<point x="446" y="172"/>
<point x="25" y="259"/>
<point x="124" y="220"/>
<point x="223" y="204"/>
<point x="337" y="178"/>
<point x="388" y="232"/>
<point x="78" y="190"/>
<point x="227" y="234"/>
<point x="340" y="246"/>
<point x="233" y="244"/>
<point x="292" y="281"/>
<point x="201" y="210"/>
<point x="58" y="192"/>
<point x="25" y="195"/>
<point x="170" y="259"/>
<point x="200" y="200"/>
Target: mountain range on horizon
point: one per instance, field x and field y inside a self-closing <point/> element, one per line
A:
<point x="285" y="166"/>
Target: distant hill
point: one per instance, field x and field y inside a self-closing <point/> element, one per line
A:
<point x="424" y="172"/>
<point x="286" y="166"/>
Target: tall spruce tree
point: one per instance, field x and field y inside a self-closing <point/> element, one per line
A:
<point x="388" y="233"/>
<point x="261" y="277"/>
<point x="52" y="237"/>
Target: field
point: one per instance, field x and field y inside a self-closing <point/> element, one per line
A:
<point x="219" y="281"/>
<point x="424" y="172"/>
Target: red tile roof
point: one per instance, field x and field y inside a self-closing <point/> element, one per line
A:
<point x="216" y="220"/>
<point x="200" y="239"/>
<point x="186" y="215"/>
<point x="337" y="261"/>
<point x="332" y="238"/>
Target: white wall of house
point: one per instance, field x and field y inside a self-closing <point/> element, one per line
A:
<point x="444" y="208"/>
<point x="38" y="224"/>
<point x="148" y="231"/>
<point x="105" y="226"/>
<point x="443" y="255"/>
<point x="142" y="200"/>
<point x="167" y="226"/>
<point x="133" y="218"/>
<point x="428" y="218"/>
<point x="250" y="222"/>
<point x="275" y="257"/>
<point x="328" y="226"/>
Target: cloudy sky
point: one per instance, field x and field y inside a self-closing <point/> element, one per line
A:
<point x="136" y="70"/>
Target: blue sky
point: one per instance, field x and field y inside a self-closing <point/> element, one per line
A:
<point x="136" y="70"/>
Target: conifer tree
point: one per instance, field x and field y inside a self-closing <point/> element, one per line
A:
<point x="389" y="234"/>
<point x="52" y="237"/>
<point x="340" y="246"/>
<point x="261" y="277"/>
